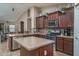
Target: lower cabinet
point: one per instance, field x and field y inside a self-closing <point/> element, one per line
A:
<point x="64" y="45"/>
<point x="42" y="51"/>
<point x="59" y="44"/>
<point x="46" y="50"/>
<point x="68" y="46"/>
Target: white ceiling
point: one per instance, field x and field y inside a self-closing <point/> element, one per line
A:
<point x="6" y="9"/>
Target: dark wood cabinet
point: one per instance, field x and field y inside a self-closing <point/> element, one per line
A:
<point x="68" y="46"/>
<point x="40" y="22"/>
<point x="46" y="50"/>
<point x="46" y="23"/>
<point x="66" y="19"/>
<point x="59" y="44"/>
<point x="62" y="21"/>
<point x="51" y="16"/>
<point x="64" y="45"/>
<point x="54" y="15"/>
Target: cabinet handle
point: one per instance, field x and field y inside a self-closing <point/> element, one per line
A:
<point x="76" y="38"/>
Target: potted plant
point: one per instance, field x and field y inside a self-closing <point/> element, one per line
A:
<point x="49" y="31"/>
<point x="62" y="10"/>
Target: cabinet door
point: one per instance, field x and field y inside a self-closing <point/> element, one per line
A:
<point x="59" y="44"/>
<point x="70" y="16"/>
<point x="46" y="50"/>
<point x="53" y="16"/>
<point x="39" y="22"/>
<point x="66" y="20"/>
<point x="68" y="46"/>
<point x="46" y="23"/>
<point x="62" y="22"/>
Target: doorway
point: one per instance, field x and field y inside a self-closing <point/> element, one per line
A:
<point x="22" y="27"/>
<point x="2" y="34"/>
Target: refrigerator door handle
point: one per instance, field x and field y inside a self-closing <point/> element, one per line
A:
<point x="76" y="38"/>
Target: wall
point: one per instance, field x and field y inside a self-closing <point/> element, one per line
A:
<point x="33" y="13"/>
<point x="22" y="18"/>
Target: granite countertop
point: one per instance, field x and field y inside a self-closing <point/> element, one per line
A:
<point x="17" y="34"/>
<point x="21" y="34"/>
<point x="31" y="43"/>
<point x="65" y="36"/>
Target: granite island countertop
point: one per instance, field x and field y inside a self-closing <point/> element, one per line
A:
<point x="17" y="34"/>
<point x="31" y="43"/>
<point x="22" y="34"/>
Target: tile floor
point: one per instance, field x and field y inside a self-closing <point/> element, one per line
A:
<point x="5" y="52"/>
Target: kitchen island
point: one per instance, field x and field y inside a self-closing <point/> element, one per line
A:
<point x="12" y="45"/>
<point x="34" y="46"/>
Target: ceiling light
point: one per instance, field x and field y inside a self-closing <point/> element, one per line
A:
<point x="13" y="9"/>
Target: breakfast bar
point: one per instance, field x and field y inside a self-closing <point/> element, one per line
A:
<point x="34" y="46"/>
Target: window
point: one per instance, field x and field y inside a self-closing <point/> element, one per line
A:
<point x="11" y="28"/>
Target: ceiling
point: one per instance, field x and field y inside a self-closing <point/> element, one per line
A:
<point x="7" y="14"/>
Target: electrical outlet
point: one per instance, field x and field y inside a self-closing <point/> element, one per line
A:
<point x="45" y="52"/>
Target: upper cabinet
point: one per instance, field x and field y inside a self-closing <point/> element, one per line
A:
<point x="67" y="18"/>
<point x="40" y="22"/>
<point x="54" y="15"/>
<point x="43" y="21"/>
<point x="56" y="19"/>
<point x="53" y="19"/>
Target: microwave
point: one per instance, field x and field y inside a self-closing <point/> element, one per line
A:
<point x="53" y="23"/>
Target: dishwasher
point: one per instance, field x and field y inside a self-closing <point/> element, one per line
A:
<point x="15" y="45"/>
<point x="12" y="45"/>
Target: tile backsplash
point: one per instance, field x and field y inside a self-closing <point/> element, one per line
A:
<point x="46" y="30"/>
<point x="65" y="32"/>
